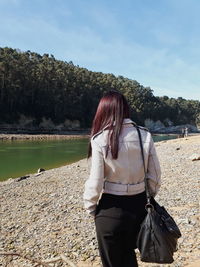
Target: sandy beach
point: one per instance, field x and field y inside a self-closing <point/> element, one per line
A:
<point x="42" y="217"/>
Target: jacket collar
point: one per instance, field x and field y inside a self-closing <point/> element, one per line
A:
<point x="125" y="121"/>
<point x="128" y="120"/>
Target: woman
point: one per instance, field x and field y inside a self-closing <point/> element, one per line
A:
<point x="115" y="192"/>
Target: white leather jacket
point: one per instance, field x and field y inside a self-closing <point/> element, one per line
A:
<point x="124" y="175"/>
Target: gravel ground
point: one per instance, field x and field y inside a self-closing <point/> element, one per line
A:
<point x="42" y="216"/>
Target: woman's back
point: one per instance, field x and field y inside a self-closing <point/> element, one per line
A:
<point x="128" y="167"/>
<point x="124" y="175"/>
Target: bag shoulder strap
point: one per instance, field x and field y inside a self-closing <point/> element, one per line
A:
<point x="147" y="190"/>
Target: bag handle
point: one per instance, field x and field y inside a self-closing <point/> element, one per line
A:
<point x="148" y="195"/>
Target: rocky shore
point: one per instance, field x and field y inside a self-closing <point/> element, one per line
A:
<point x="42" y="217"/>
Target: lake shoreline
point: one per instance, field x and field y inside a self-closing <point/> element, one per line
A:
<point x="42" y="136"/>
<point x="49" y="206"/>
<point x="65" y="135"/>
<point x="55" y="136"/>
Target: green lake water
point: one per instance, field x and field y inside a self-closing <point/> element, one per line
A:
<point x="18" y="157"/>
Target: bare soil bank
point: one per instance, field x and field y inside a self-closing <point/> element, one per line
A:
<point x="41" y="136"/>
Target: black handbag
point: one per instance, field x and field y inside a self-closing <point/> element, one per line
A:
<point x="158" y="235"/>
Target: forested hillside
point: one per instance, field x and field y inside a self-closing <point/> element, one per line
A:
<point x="43" y="87"/>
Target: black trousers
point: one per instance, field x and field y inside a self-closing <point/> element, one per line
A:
<point x="117" y="222"/>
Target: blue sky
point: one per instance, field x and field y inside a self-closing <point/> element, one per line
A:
<point x="155" y="42"/>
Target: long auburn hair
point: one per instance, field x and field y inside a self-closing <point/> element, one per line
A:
<point x="111" y="111"/>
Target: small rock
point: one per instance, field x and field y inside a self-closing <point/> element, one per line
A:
<point x="194" y="157"/>
<point x="22" y="178"/>
<point x="41" y="170"/>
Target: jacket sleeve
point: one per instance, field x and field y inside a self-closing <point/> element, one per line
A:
<point x="153" y="170"/>
<point x="94" y="184"/>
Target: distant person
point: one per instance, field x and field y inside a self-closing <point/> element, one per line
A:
<point x="186" y="132"/>
<point x="115" y="191"/>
